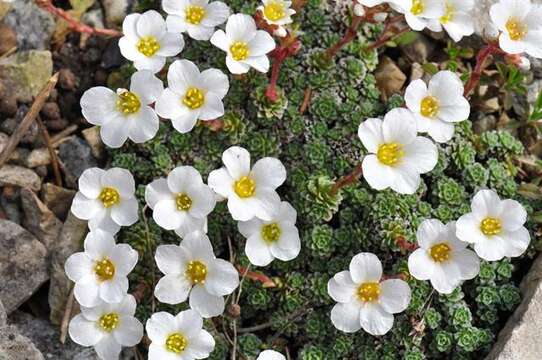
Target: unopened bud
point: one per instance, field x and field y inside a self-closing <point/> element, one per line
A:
<point x="234" y="310"/>
<point x="359" y="10"/>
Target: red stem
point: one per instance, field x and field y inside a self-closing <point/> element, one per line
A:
<point x="74" y="24"/>
<point x="271" y="91"/>
<point x="383" y="39"/>
<point x="481" y="58"/>
<point x="346" y="180"/>
<point x="348" y="36"/>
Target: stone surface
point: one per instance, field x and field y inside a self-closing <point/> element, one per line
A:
<point x="92" y="136"/>
<point x="23" y="265"/>
<point x="14" y="346"/>
<point x="520" y="338"/>
<point x="76" y="156"/>
<point x="3" y="315"/>
<point x="8" y="39"/>
<point x="57" y="199"/>
<point x="419" y="50"/>
<point x="39" y="220"/>
<point x="25" y="73"/>
<point x="33" y="25"/>
<point x="389" y="78"/>
<point x="19" y="176"/>
<point x="70" y="241"/>
<point x="38" y="157"/>
<point x="116" y="11"/>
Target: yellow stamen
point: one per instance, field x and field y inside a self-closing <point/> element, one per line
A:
<point x="148" y="46"/>
<point x="176" y="343"/>
<point x="274" y="10"/>
<point x="369" y="291"/>
<point x="194" y="98"/>
<point x="491" y="226"/>
<point x="440" y="252"/>
<point x="390" y="154"/>
<point x="194" y="14"/>
<point x="429" y="106"/>
<point x="244" y="187"/>
<point x="239" y="50"/>
<point x="196" y="271"/>
<point x="516" y="30"/>
<point x="418" y="6"/>
<point x="109" y="196"/>
<point x="271" y="232"/>
<point x="128" y="103"/>
<point x="448" y="15"/>
<point x="104" y="269"/>
<point x="109" y="322"/>
<point x="184" y="203"/>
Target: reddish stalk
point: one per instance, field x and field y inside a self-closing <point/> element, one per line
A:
<point x="75" y="24"/>
<point x="256" y="276"/>
<point x="346" y="180"/>
<point x="481" y="59"/>
<point x="281" y="53"/>
<point x="383" y="39"/>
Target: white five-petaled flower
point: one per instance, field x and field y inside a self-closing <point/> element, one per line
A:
<point x="277" y="12"/>
<point x="363" y="300"/>
<point x="126" y="113"/>
<point x="457" y="19"/>
<point x="250" y="192"/>
<point x="420" y="14"/>
<point x="192" y="95"/>
<point x="439" y="105"/>
<point x="106" y="199"/>
<point x="147" y="42"/>
<point x="244" y="44"/>
<point x="276" y="238"/>
<point x="270" y="355"/>
<point x="107" y="327"/>
<point x="191" y="268"/>
<point x="442" y="258"/>
<point x="178" y="337"/>
<point x="100" y="272"/>
<point x="494" y="226"/>
<point x="397" y="156"/>
<point x="180" y="202"/>
<point x="520" y="26"/>
<point x="196" y="17"/>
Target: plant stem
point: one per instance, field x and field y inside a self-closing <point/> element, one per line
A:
<point x="347" y="37"/>
<point x="383" y="39"/>
<point x="346" y="180"/>
<point x="481" y="58"/>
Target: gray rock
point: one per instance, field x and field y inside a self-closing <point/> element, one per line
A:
<point x="58" y="199"/>
<point x="19" y="176"/>
<point x="419" y="50"/>
<point x="26" y="72"/>
<point x="70" y="241"/>
<point x="116" y="11"/>
<point x="3" y="315"/>
<point x="23" y="265"/>
<point x="38" y="157"/>
<point x="92" y="136"/>
<point x="39" y="220"/>
<point x="14" y="346"/>
<point x="520" y="338"/>
<point x="76" y="155"/>
<point x="33" y="25"/>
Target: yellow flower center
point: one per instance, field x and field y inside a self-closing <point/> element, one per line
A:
<point x="194" y="98"/>
<point x="418" y="6"/>
<point x="516" y="30"/>
<point x="448" y="15"/>
<point x="429" y="107"/>
<point x="390" y="154"/>
<point x="239" y="50"/>
<point x="369" y="291"/>
<point x="274" y="10"/>
<point x="194" y="14"/>
<point x="491" y="226"/>
<point x="244" y="187"/>
<point x="196" y="271"/>
<point x="104" y="269"/>
<point x="148" y="46"/>
<point x="271" y="232"/>
<point x="109" y="196"/>
<point x="440" y="252"/>
<point x="176" y="343"/>
<point x="184" y="203"/>
<point x="108" y="322"/>
<point x="128" y="103"/>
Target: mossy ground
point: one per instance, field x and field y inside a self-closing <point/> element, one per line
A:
<point x="317" y="147"/>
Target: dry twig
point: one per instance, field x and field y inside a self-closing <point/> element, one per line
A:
<point x="52" y="153"/>
<point x="66" y="317"/>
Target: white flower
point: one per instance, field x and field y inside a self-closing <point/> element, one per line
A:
<point x="420" y="14"/>
<point x="442" y="258"/>
<point x="457" y="19"/>
<point x="244" y="44"/>
<point x="397" y="156"/>
<point x="363" y="300"/>
<point x="275" y="238"/>
<point x="192" y="268"/>
<point x="181" y="202"/>
<point x="124" y="114"/>
<point x="250" y="192"/>
<point x="372" y="3"/>
<point x="178" y="337"/>
<point x="270" y="355"/>
<point x="106" y="199"/>
<point x="520" y="24"/>
<point x="100" y="272"/>
<point x="147" y="42"/>
<point x="277" y="12"/>
<point x="107" y="327"/>
<point x="494" y="226"/>
<point x="192" y="95"/>
<point x="438" y="106"/>
<point x="196" y="17"/>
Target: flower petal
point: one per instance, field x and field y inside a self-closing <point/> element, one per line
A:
<point x="200" y="346"/>
<point x="125" y="213"/>
<point x="98" y="105"/>
<point x="346" y="317"/>
<point x="241" y="27"/>
<point x="399" y="126"/>
<point x="146" y="85"/>
<point x="215" y="81"/>
<point x="143" y="126"/>
<point x="414" y="94"/>
<point x="189" y="323"/>
<point x="169" y="105"/>
<point x="341" y="287"/>
<point x="159" y="326"/>
<point x="375" y="320"/>
<point x="205" y="304"/>
<point x="213" y="108"/>
<point x="420" y="265"/>
<point x="394" y="295"/>
<point x="120" y="179"/>
<point x="114" y="290"/>
<point x="377" y="175"/>
<point x="84" y="332"/>
<point x="185" y="122"/>
<point x="129" y="332"/>
<point x="257" y="250"/>
<point x="171" y="259"/>
<point x="365" y="267"/>
<point x="222" y="278"/>
<point x="269" y="172"/>
<point x="151" y="23"/>
<point x="237" y="161"/>
<point x="172" y="289"/>
<point x="156" y="191"/>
